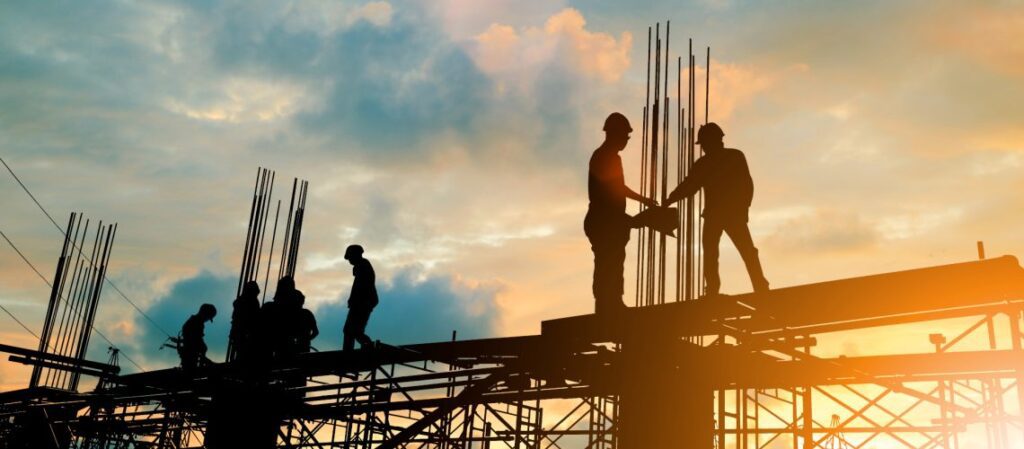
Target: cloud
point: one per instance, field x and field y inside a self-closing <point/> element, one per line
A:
<point x="517" y="58"/>
<point x="734" y="85"/>
<point x="240" y="100"/>
<point x="818" y="231"/>
<point x="989" y="34"/>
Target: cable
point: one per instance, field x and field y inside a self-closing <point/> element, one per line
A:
<point x="9" y="242"/>
<point x="49" y="284"/>
<point x="105" y="278"/>
<point x="23" y="326"/>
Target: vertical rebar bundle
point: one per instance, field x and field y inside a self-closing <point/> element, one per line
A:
<point x="255" y="237"/>
<point x="662" y="167"/>
<point x="74" y="296"/>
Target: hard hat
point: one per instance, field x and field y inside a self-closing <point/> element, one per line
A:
<point x="709" y="131"/>
<point x="251" y="287"/>
<point x="617" y="122"/>
<point x="208" y="310"/>
<point x="353" y="251"/>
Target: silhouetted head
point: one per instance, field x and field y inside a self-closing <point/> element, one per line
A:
<point x="616" y="131"/>
<point x="300" y="298"/>
<point x="251" y="288"/>
<point x="207" y="312"/>
<point x="353" y="253"/>
<point x="709" y="137"/>
<point x="285" y="287"/>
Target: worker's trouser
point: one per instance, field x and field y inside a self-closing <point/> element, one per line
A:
<point x="355" y="328"/>
<point x="739" y="233"/>
<point x="608" y="236"/>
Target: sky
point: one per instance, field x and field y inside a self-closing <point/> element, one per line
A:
<point x="451" y="139"/>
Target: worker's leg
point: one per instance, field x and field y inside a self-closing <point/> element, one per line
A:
<point x="351" y="330"/>
<point x="364" y="318"/>
<point x="349" y="342"/>
<point x="609" y="261"/>
<point x="739" y="233"/>
<point x="355" y="327"/>
<point x="712" y="236"/>
<point x="608" y="235"/>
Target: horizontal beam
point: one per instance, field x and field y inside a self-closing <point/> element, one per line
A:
<point x="897" y="296"/>
<point x="54" y="358"/>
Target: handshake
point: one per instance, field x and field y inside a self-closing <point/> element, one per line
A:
<point x="658" y="218"/>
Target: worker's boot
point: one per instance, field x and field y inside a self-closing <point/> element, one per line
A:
<point x="761" y="286"/>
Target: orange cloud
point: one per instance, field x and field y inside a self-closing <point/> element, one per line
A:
<point x="516" y="57"/>
<point x="734" y="85"/>
<point x="991" y="36"/>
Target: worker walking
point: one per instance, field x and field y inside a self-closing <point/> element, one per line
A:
<point x="607" y="225"/>
<point x="361" y="300"/>
<point x="728" y="190"/>
<point x="191" y="347"/>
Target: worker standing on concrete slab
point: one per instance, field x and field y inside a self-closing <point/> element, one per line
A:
<point x="607" y="225"/>
<point x="729" y="189"/>
<point x="361" y="300"/>
<point x="192" y="348"/>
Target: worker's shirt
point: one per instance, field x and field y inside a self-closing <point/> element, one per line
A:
<point x="606" y="184"/>
<point x="244" y="316"/>
<point x="364" y="286"/>
<point x="308" y="329"/>
<point x="192" y="334"/>
<point x="728" y="187"/>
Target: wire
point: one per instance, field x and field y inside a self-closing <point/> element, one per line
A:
<point x="49" y="284"/>
<point x="23" y="326"/>
<point x="9" y="242"/>
<point x="105" y="278"/>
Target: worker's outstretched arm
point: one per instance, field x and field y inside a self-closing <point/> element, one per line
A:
<point x="638" y="197"/>
<point x="690" y="185"/>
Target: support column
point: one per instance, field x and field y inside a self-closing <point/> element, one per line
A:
<point x="667" y="401"/>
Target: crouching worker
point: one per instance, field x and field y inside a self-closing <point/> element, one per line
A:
<point x="191" y="347"/>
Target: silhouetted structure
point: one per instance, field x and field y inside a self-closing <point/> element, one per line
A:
<point x="361" y="300"/>
<point x="724" y="176"/>
<point x="192" y="347"/>
<point x="245" y="318"/>
<point x="607" y="225"/>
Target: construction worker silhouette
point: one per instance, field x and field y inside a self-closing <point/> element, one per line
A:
<point x="244" y="318"/>
<point x="306" y="329"/>
<point x="728" y="190"/>
<point x="361" y="300"/>
<point x="273" y="320"/>
<point x="607" y="225"/>
<point x="192" y="348"/>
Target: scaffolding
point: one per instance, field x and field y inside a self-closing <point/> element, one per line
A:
<point x="635" y="381"/>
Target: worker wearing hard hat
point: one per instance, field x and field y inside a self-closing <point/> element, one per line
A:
<point x="361" y="300"/>
<point x="191" y="347"/>
<point x="607" y="225"/>
<point x="728" y="191"/>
